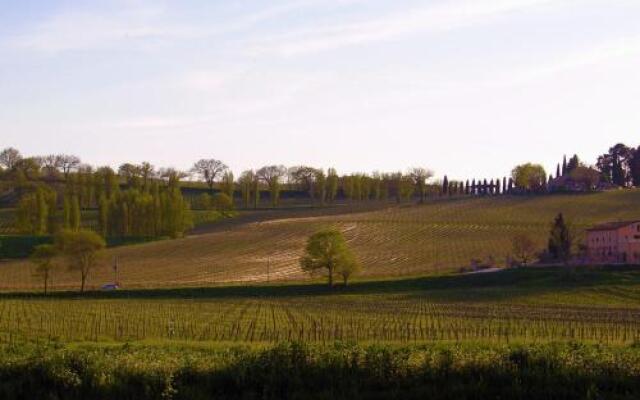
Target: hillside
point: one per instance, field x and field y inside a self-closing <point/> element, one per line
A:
<point x="437" y="237"/>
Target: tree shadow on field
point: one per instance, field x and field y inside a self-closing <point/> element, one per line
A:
<point x="496" y="286"/>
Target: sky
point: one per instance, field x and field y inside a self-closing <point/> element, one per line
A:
<point x="467" y="88"/>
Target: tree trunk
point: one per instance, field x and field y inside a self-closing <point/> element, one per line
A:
<point x="84" y="278"/>
<point x="346" y="280"/>
<point x="330" y="277"/>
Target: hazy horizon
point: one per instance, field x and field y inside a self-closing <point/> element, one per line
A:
<point x="465" y="88"/>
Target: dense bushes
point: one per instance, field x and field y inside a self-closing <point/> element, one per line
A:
<point x="343" y="371"/>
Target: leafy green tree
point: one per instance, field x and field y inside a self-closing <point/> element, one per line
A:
<point x="347" y="267"/>
<point x="529" y="177"/>
<point x="43" y="257"/>
<point x="328" y="250"/>
<point x="82" y="249"/>
<point x="246" y="181"/>
<point x="228" y="185"/>
<point x="204" y="202"/>
<point x="222" y="202"/>
<point x="33" y="212"/>
<point x="405" y="187"/>
<point x="321" y="186"/>
<point x="103" y="215"/>
<point x="332" y="184"/>
<point x="560" y="240"/>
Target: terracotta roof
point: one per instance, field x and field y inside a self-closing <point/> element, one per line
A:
<point x="612" y="226"/>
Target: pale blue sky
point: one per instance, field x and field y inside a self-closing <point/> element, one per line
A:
<point x="465" y="87"/>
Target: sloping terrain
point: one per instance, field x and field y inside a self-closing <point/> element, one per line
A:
<point x="436" y="237"/>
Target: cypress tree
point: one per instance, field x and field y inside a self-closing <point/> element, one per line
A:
<point x="473" y="187"/>
<point x="467" y="188"/>
<point x="445" y="185"/>
<point x="564" y="165"/>
<point x="560" y="240"/>
<point x="558" y="171"/>
<point x="504" y="185"/>
<point x="498" y="186"/>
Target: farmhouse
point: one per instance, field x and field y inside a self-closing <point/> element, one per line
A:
<point x="614" y="242"/>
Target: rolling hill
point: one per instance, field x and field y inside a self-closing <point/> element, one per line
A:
<point x="399" y="240"/>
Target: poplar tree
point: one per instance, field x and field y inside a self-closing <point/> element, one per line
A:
<point x="75" y="213"/>
<point x="332" y="184"/>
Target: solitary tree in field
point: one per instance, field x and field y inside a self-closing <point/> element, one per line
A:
<point x="82" y="249"/>
<point x="524" y="248"/>
<point x="209" y="170"/>
<point x="328" y="250"/>
<point x="43" y="257"/>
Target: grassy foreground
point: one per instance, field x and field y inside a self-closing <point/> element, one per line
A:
<point x="341" y="371"/>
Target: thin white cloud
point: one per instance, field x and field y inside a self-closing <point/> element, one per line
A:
<point x="87" y="30"/>
<point x="444" y="16"/>
<point x="600" y="53"/>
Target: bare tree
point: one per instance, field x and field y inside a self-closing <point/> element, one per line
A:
<point x="131" y="173"/>
<point x="68" y="163"/>
<point x="209" y="170"/>
<point x="9" y="157"/>
<point x="420" y="177"/>
<point x="51" y="164"/>
<point x="305" y="177"/>
<point x="271" y="175"/>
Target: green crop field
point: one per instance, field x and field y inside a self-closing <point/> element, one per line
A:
<point x="531" y="305"/>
